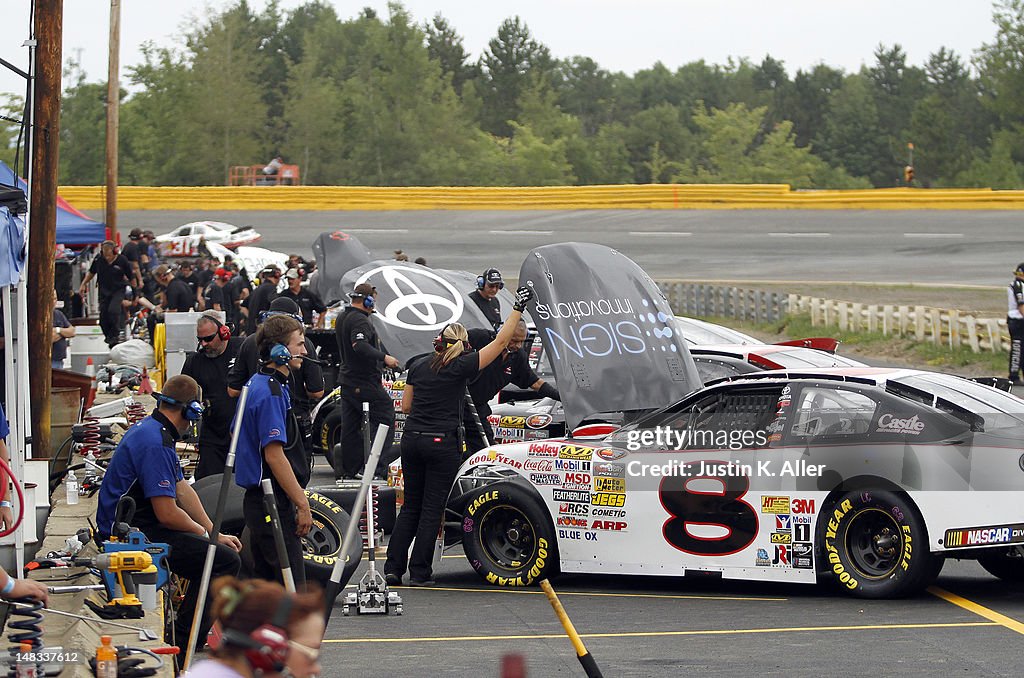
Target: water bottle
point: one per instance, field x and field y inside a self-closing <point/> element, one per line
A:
<point x="25" y="666"/>
<point x="106" y="659"/>
<point x="71" y="485"/>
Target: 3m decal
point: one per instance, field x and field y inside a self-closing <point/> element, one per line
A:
<point x="725" y="508"/>
<point x="803" y="506"/>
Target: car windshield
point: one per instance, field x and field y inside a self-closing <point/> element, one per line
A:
<point x="799" y="357"/>
<point x="975" y="397"/>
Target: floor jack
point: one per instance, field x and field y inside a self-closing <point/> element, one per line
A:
<point x="372" y="595"/>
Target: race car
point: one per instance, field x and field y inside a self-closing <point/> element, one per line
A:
<point x="868" y="476"/>
<point x="228" y="235"/>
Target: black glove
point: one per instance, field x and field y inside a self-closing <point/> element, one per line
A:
<point x="523" y="295"/>
<point x="546" y="390"/>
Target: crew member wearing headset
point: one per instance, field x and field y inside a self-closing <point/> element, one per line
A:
<point x="485" y="296"/>
<point x="1015" y="322"/>
<point x="431" y="451"/>
<point x="209" y="365"/>
<point x="145" y="467"/>
<point x="264" y="631"/>
<point x="270" y="446"/>
<point x="513" y="367"/>
<point x="360" y="375"/>
<point x="306" y="384"/>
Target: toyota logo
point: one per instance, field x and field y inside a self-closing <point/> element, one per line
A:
<point x="412" y="308"/>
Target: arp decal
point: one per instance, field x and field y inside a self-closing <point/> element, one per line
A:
<point x="984" y="536"/>
<point x="611" y="525"/>
<point x="771" y="504"/>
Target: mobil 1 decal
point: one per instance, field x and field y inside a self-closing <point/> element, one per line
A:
<point x="607" y="329"/>
<point x="708" y="516"/>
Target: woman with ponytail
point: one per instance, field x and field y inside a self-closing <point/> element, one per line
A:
<point x="431" y="454"/>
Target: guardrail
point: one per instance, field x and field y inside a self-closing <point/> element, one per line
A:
<point x="939" y="326"/>
<point x="644" y="196"/>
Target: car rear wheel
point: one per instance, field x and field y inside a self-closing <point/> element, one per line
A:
<point x="876" y="545"/>
<point x="508" y="537"/>
<point x="1007" y="564"/>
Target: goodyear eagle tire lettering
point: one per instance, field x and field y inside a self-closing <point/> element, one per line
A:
<point x="509" y="539"/>
<point x="875" y="545"/>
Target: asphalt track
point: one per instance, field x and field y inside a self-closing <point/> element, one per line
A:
<point x="969" y="623"/>
<point x="949" y="247"/>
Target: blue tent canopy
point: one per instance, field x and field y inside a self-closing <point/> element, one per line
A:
<point x="73" y="227"/>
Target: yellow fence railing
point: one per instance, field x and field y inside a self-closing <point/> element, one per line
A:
<point x="647" y="196"/>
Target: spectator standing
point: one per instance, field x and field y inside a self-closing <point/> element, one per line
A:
<point x="1015" y="322"/>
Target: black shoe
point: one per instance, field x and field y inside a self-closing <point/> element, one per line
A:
<point x="393" y="580"/>
<point x="422" y="582"/>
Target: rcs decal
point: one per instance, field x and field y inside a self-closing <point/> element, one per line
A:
<point x="724" y="509"/>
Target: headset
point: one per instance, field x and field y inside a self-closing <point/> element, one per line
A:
<point x="266" y="648"/>
<point x="280" y="355"/>
<point x="481" y="279"/>
<point x="441" y="342"/>
<point x="368" y="302"/>
<point x="192" y="410"/>
<point x="223" y="331"/>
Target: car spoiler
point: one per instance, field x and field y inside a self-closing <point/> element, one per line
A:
<point x="826" y="344"/>
<point x="1001" y="383"/>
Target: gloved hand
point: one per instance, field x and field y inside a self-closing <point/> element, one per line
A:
<point x="523" y="295"/>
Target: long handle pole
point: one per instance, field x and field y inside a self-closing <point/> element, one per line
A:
<point x="335" y="584"/>
<point x="586" y="659"/>
<point x="270" y="504"/>
<point x="218" y="517"/>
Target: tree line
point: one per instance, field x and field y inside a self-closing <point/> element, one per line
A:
<point x="385" y="101"/>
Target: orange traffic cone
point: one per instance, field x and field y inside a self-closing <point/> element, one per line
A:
<point x="90" y="371"/>
<point x="144" y="386"/>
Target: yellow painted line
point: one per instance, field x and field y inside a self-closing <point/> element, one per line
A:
<point x="980" y="610"/>
<point x="649" y="634"/>
<point x="531" y="592"/>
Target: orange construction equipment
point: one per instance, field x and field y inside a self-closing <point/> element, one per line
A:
<point x="145" y="386"/>
<point x="252" y="175"/>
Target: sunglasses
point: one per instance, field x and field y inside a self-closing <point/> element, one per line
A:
<point x="495" y="286"/>
<point x="207" y="339"/>
<point x="308" y="652"/>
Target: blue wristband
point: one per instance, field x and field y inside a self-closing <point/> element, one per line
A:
<point x="6" y="504"/>
<point x="8" y="587"/>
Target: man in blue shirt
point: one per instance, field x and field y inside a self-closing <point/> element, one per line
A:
<point x="270" y="446"/>
<point x="146" y="468"/>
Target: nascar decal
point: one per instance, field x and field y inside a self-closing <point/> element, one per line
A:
<point x="773" y="504"/>
<point x="984" y="536"/>
<point x="575" y="452"/>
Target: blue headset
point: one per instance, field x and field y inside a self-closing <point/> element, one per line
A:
<point x="368" y="302"/>
<point x="280" y="354"/>
<point x="192" y="410"/>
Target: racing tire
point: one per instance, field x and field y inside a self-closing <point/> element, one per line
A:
<point x="1007" y="564"/>
<point x="330" y="434"/>
<point x="208" y="490"/>
<point x="508" y="537"/>
<point x="875" y="545"/>
<point x="321" y="547"/>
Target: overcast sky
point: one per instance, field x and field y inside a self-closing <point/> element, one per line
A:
<point x="621" y="35"/>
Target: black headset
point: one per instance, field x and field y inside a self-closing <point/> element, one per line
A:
<point x="481" y="279"/>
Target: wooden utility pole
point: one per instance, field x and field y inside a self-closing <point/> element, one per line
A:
<point x="113" y="104"/>
<point x="43" y="218"/>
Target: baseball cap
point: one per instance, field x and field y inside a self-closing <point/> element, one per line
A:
<point x="135" y="234"/>
<point x="223" y="273"/>
<point x="292" y="273"/>
<point x="492" y="276"/>
<point x="272" y="271"/>
<point x="1020" y="268"/>
<point x="363" y="290"/>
